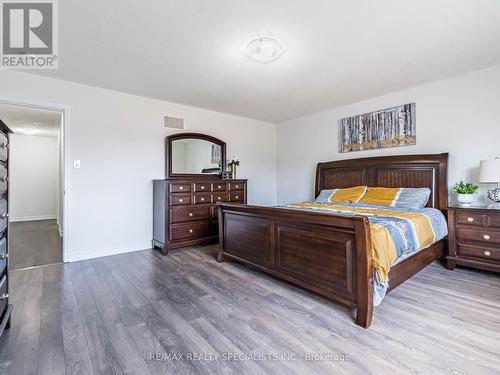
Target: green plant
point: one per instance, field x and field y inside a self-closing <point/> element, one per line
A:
<point x="465" y="188"/>
<point x="234" y="161"/>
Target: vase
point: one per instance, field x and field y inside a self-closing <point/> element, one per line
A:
<point x="465" y="199"/>
<point x="233" y="170"/>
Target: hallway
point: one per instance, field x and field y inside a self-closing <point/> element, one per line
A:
<point x="34" y="243"/>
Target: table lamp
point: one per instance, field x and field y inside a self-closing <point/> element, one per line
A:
<point x="489" y="173"/>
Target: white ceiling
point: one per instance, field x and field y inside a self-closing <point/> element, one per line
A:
<point x="338" y="51"/>
<point x="21" y="120"/>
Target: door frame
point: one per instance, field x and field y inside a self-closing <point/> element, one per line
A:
<point x="66" y="128"/>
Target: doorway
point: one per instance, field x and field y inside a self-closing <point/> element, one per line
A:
<point x="36" y="185"/>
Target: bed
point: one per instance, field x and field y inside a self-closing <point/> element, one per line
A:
<point x="331" y="254"/>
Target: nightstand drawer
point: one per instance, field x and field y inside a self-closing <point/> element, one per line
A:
<point x="478" y="252"/>
<point x="478" y="235"/>
<point x="471" y="218"/>
<point x="487" y="219"/>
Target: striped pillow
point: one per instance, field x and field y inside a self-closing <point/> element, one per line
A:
<point x="348" y="195"/>
<point x="414" y="198"/>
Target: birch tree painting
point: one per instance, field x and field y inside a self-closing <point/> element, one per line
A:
<point x="391" y="127"/>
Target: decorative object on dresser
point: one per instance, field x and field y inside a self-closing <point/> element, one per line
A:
<point x="184" y="211"/>
<point x="489" y="173"/>
<point x="474" y="237"/>
<point x="233" y="163"/>
<point x="327" y="253"/>
<point x="391" y="127"/>
<point x="5" y="307"/>
<point x="465" y="192"/>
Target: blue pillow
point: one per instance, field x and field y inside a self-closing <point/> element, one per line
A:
<point x="414" y="198"/>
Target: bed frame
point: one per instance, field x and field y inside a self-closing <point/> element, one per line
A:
<point x="331" y="254"/>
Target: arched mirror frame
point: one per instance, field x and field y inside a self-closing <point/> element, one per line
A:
<point x="168" y="154"/>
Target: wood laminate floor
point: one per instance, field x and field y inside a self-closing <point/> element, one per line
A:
<point x="34" y="243"/>
<point x="109" y="315"/>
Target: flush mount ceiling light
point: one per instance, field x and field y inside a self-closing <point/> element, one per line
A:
<point x="263" y="49"/>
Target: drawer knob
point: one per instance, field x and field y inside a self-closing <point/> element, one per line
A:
<point x="4" y="256"/>
<point x="236" y="197"/>
<point x="218" y="187"/>
<point x="218" y="198"/>
<point x="181" y="187"/>
<point x="487" y="253"/>
<point x="486" y="237"/>
<point x="203" y="188"/>
<point x="190" y="231"/>
<point x="181" y="200"/>
<point x="4" y="296"/>
<point x="202" y="199"/>
<point x="470" y="219"/>
<point x="190" y="214"/>
<point x="236" y="186"/>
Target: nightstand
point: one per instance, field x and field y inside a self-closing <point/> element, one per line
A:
<point x="474" y="237"/>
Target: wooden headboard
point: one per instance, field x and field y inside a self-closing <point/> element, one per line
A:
<point x="408" y="171"/>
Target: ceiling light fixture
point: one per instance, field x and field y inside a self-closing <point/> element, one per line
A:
<point x="263" y="49"/>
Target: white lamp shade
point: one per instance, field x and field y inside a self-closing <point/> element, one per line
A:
<point x="489" y="171"/>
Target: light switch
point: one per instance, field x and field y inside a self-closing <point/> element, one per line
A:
<point x="76" y="164"/>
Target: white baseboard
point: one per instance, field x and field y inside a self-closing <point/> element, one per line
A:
<point x="106" y="252"/>
<point x="32" y="218"/>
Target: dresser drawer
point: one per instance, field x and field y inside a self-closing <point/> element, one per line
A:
<point x="3" y="179"/>
<point x="3" y="255"/>
<point x="3" y="147"/>
<point x="236" y="196"/>
<point x="236" y="186"/>
<point x="180" y="215"/>
<point x="190" y="230"/>
<point x="478" y="234"/>
<point x="3" y="214"/>
<point x="201" y="198"/>
<point x="219" y="186"/>
<point x="178" y="187"/>
<point x="3" y="294"/>
<point x="219" y="197"/>
<point x="481" y="252"/>
<point x="180" y="199"/>
<point x="201" y="186"/>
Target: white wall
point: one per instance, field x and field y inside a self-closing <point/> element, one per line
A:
<point x="119" y="139"/>
<point x="33" y="177"/>
<point x="459" y="115"/>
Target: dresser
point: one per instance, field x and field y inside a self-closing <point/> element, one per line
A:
<point x="5" y="307"/>
<point x="184" y="210"/>
<point x="474" y="237"/>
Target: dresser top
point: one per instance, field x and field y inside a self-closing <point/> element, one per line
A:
<point x="492" y="207"/>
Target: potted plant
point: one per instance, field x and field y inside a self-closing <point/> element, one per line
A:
<point x="465" y="191"/>
<point x="233" y="163"/>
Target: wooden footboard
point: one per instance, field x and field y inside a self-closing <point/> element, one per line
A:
<point x="328" y="254"/>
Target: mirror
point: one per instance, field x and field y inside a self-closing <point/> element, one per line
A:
<point x="195" y="154"/>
